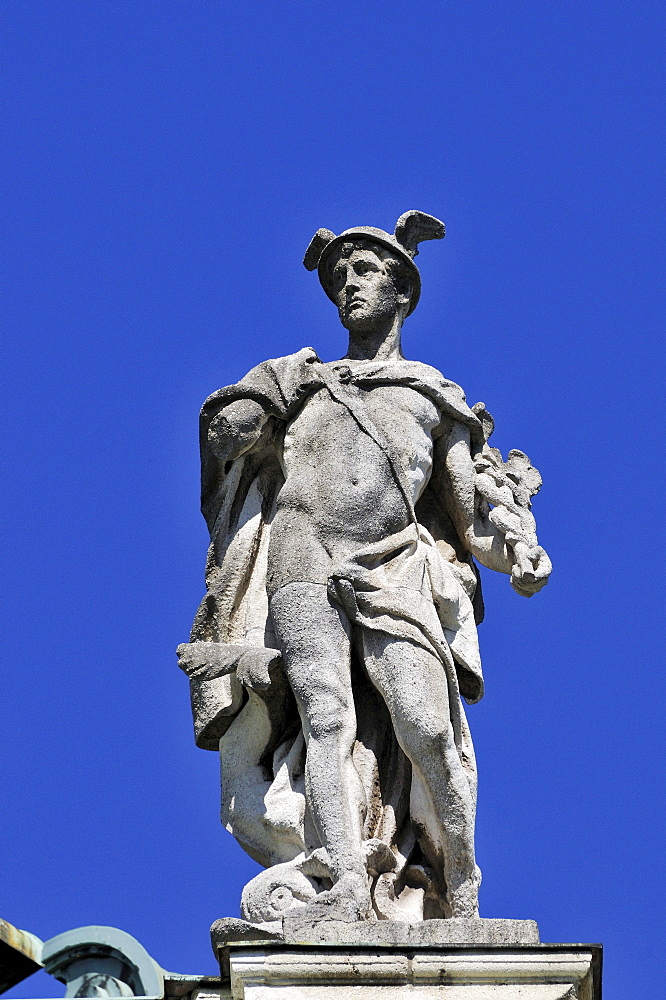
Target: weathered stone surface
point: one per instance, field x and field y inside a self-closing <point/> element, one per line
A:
<point x="346" y="503"/>
<point x="228" y="930"/>
<point x="298" y="928"/>
<point x="545" y="972"/>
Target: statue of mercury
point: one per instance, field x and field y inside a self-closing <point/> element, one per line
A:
<point x="346" y="503"/>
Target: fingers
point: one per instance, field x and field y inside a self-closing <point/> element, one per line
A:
<point x="527" y="589"/>
<point x="531" y="571"/>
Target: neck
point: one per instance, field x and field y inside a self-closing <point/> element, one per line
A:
<point x="382" y="344"/>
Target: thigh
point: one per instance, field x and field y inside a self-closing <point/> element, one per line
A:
<point x="411" y="681"/>
<point x="313" y="636"/>
<point x="295" y="552"/>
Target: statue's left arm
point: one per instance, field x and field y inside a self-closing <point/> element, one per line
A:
<point x="494" y="525"/>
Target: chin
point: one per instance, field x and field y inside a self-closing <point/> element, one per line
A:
<point x="361" y="323"/>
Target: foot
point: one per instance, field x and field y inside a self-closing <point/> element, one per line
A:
<point x="379" y="858"/>
<point x="464" y="899"/>
<point x="348" y="900"/>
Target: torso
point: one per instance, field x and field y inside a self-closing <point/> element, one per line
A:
<point x="340" y="492"/>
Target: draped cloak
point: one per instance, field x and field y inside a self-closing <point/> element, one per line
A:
<point x="419" y="584"/>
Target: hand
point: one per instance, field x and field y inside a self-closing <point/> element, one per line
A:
<point x="531" y="569"/>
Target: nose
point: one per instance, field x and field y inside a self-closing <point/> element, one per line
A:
<point x="351" y="281"/>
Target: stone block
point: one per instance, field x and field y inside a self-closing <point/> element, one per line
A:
<point x="299" y="928"/>
<point x="416" y="972"/>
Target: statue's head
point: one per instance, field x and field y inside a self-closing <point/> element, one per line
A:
<point x="368" y="284"/>
<point x="369" y="274"/>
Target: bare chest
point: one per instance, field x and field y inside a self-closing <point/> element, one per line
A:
<point x="328" y="435"/>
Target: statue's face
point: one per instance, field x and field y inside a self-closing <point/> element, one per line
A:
<point x="364" y="291"/>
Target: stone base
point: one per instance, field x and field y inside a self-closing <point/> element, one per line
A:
<point x="298" y="927"/>
<point x="390" y="961"/>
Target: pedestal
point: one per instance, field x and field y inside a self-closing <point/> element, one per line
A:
<point x="405" y="961"/>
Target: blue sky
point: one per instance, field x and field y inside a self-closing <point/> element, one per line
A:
<point x="166" y="164"/>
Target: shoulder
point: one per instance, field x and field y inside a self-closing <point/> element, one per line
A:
<point x="429" y="374"/>
<point x="419" y="375"/>
<point x="272" y="383"/>
<point x="448" y="396"/>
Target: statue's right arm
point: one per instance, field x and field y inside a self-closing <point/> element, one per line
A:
<point x="236" y="428"/>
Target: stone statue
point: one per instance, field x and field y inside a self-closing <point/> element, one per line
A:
<point x="346" y="504"/>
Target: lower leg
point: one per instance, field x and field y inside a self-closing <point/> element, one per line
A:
<point x="454" y="809"/>
<point x="316" y="653"/>
<point x="414" y="686"/>
<point x="334" y="792"/>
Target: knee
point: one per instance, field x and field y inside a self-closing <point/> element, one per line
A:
<point x="427" y="738"/>
<point x="331" y="720"/>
